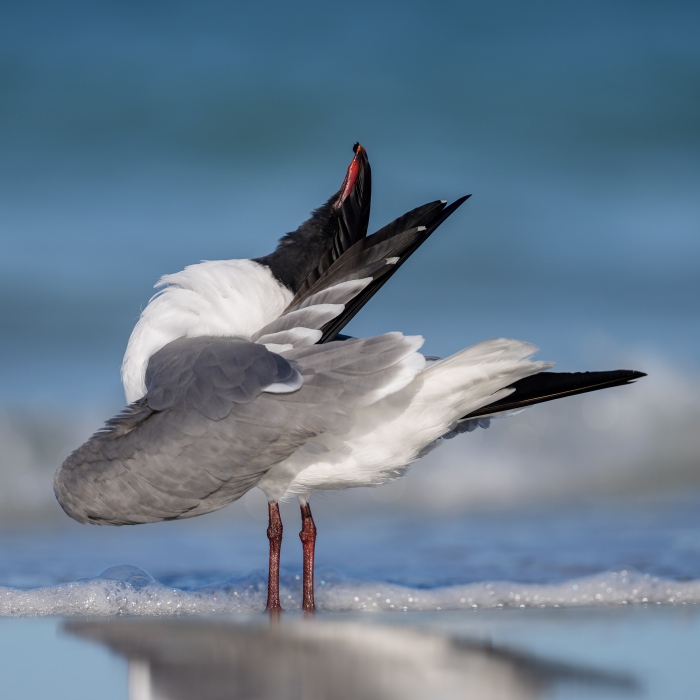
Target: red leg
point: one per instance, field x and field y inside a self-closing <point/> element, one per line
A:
<point x="274" y="534"/>
<point x="308" y="542"/>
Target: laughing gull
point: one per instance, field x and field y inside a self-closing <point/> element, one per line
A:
<point x="233" y="381"/>
<point x="237" y="298"/>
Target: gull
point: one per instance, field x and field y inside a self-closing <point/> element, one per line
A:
<point x="237" y="298"/>
<point x="235" y="378"/>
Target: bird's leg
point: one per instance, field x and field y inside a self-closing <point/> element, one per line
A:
<point x="274" y="534"/>
<point x="308" y="543"/>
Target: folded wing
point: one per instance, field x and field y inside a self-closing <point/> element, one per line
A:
<point x="218" y="414"/>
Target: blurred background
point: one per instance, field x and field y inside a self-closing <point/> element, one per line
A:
<point x="140" y="137"/>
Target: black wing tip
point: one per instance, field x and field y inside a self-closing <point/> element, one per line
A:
<point x="613" y="377"/>
<point x="432" y="215"/>
<point x="625" y="376"/>
<point x="458" y="202"/>
<point x="449" y="209"/>
<point x="550" y="386"/>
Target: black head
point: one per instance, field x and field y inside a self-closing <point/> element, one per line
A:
<point x="331" y="229"/>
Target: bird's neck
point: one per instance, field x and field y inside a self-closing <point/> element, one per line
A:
<point x="232" y="298"/>
<point x="300" y="251"/>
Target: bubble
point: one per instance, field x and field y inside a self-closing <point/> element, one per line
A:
<point x="130" y="575"/>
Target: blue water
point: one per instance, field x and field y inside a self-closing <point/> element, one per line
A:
<point x="638" y="549"/>
<point x="586" y="601"/>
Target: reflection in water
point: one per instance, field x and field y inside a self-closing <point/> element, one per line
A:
<point x="175" y="659"/>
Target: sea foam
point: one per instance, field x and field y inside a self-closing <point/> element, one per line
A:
<point x="128" y="590"/>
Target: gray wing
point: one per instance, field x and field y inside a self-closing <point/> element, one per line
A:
<point x="208" y="429"/>
<point x="213" y="374"/>
<point x="303" y="321"/>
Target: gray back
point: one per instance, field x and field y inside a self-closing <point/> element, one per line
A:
<point x="206" y="431"/>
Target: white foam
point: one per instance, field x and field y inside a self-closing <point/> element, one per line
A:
<point x="127" y="590"/>
<point x="613" y="588"/>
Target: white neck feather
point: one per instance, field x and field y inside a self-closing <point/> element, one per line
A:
<point x="222" y="297"/>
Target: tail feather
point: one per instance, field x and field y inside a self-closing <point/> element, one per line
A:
<point x="547" y="386"/>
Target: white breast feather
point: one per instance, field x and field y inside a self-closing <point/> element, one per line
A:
<point x="232" y="298"/>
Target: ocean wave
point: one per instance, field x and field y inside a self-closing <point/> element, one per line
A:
<point x="128" y="590"/>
